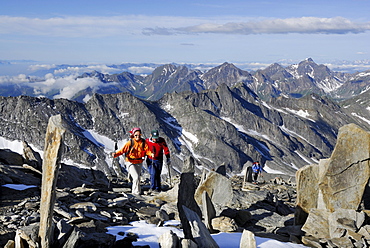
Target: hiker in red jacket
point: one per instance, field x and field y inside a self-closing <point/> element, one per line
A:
<point x="158" y="147"/>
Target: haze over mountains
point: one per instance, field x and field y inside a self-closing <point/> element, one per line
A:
<point x="286" y="117"/>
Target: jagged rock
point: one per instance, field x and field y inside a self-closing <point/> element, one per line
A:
<point x="27" y="234"/>
<point x="50" y="168"/>
<point x="342" y="220"/>
<point x="146" y="212"/>
<point x="12" y="175"/>
<point x="127" y="241"/>
<point x="186" y="197"/>
<point x="85" y="206"/>
<point x="317" y="224"/>
<point x="221" y="170"/>
<point x="169" y="240"/>
<point x="162" y="215"/>
<point x="348" y="170"/>
<point x="11" y="158"/>
<point x="208" y="210"/>
<point x="10" y="244"/>
<point x="224" y="224"/>
<point x="247" y="240"/>
<point x="312" y="242"/>
<point x="188" y="243"/>
<point x="199" y="232"/>
<point x="241" y="217"/>
<point x="31" y="157"/>
<point x="171" y="210"/>
<point x="219" y="190"/>
<point x="118" y="202"/>
<point x="62" y="212"/>
<point x="365" y="231"/>
<point x="331" y="211"/>
<point x="62" y="232"/>
<point x="83" y="190"/>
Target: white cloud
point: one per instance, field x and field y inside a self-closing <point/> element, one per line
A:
<point x="82" y="69"/>
<point x="41" y="67"/>
<point x="102" y="26"/>
<point x="85" y="26"/>
<point x="141" y="69"/>
<point x="19" y="79"/>
<point x="304" y="25"/>
<point x="67" y="86"/>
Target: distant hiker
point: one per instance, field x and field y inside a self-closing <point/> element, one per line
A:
<point x="135" y="151"/>
<point x="257" y="170"/>
<point x="158" y="147"/>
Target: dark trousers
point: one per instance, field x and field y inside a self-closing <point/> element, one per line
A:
<point x="255" y="176"/>
<point x="155" y="170"/>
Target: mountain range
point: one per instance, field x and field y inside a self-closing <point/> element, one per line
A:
<point x="284" y="117"/>
<point x="295" y="80"/>
<point x="275" y="80"/>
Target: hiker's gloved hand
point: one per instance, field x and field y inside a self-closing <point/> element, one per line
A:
<point x="168" y="161"/>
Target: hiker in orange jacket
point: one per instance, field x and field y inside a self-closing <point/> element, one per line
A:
<point x="135" y="151"/>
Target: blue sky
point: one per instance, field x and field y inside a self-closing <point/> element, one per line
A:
<point x="116" y="31"/>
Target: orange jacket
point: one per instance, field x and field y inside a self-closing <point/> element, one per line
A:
<point x="134" y="153"/>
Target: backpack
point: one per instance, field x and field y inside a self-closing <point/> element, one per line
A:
<point x="256" y="167"/>
<point x="132" y="145"/>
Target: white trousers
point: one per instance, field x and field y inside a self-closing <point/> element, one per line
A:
<point x="135" y="171"/>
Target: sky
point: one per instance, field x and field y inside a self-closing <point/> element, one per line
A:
<point x="192" y="31"/>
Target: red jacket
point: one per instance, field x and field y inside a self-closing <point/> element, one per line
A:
<point x="158" y="148"/>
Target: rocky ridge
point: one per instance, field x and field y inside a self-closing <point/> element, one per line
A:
<point x="225" y="125"/>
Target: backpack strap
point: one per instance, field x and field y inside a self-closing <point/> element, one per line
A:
<point x="129" y="150"/>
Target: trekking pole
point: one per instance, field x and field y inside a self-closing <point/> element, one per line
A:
<point x="169" y="174"/>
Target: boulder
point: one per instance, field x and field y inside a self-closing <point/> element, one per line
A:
<point x="186" y="197"/>
<point x="208" y="210"/>
<point x="348" y="170"/>
<point x="11" y="158"/>
<point x="169" y="240"/>
<point x="31" y="157"/>
<point x="219" y="190"/>
<point x="247" y="240"/>
<point x="199" y="232"/>
<point x="224" y="224"/>
<point x="331" y="194"/>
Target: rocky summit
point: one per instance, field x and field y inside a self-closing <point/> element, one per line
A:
<point x="87" y="203"/>
<point x="326" y="206"/>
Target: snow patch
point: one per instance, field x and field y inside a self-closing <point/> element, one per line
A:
<point x="149" y="235"/>
<point x="272" y="171"/>
<point x="362" y="118"/>
<point x="301" y="113"/>
<point x="302" y="157"/>
<point x="17" y="146"/>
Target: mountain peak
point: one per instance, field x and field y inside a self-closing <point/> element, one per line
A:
<point x="309" y="60"/>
